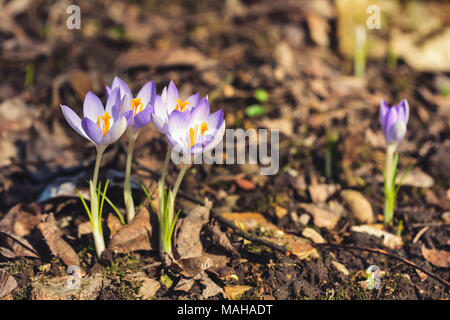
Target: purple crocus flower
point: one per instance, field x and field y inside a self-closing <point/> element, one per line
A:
<point x="394" y="120"/>
<point x="196" y="131"/>
<point x="168" y="102"/>
<point x="138" y="110"/>
<point x="100" y="125"/>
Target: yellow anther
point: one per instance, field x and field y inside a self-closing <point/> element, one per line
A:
<point x="193" y="132"/>
<point x="181" y="105"/>
<point x="106" y="124"/>
<point x="136" y="105"/>
<point x="204" y="128"/>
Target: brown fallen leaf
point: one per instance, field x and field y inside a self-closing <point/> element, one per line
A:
<point x="16" y="246"/>
<point x="57" y="245"/>
<point x="22" y="219"/>
<point x="390" y="240"/>
<point x="81" y="82"/>
<point x="321" y="192"/>
<point x="359" y="206"/>
<point x="236" y="292"/>
<point x="324" y="216"/>
<point x="137" y="235"/>
<point x="114" y="225"/>
<point x="280" y="212"/>
<point x="245" y="184"/>
<point x="187" y="231"/>
<point x="7" y="283"/>
<point x="439" y="258"/>
<point x="220" y="239"/>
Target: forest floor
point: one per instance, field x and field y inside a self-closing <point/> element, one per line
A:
<point x="308" y="232"/>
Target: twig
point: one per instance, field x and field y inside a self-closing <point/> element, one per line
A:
<point x="20" y="241"/>
<point x="388" y="254"/>
<point x="235" y="228"/>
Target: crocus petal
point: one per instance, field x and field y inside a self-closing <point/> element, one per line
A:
<point x="116" y="131"/>
<point x="92" y="107"/>
<point x="390" y="119"/>
<point x="147" y="93"/>
<point x="214" y="121"/>
<point x="92" y="130"/>
<point x="217" y="138"/>
<point x="113" y="103"/>
<point x="396" y="132"/>
<point x="172" y="96"/>
<point x="126" y="104"/>
<point x="119" y="83"/>
<point x="384" y="108"/>
<point x="164" y="95"/>
<point x="193" y="101"/>
<point x="177" y="145"/>
<point x="143" y="118"/>
<point x="404" y="107"/>
<point x="160" y="108"/>
<point x="108" y="90"/>
<point x="200" y="112"/>
<point x="129" y="116"/>
<point x="74" y="120"/>
<point x="160" y="124"/>
<point x="178" y="124"/>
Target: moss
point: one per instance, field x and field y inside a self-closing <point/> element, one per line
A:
<point x="20" y="270"/>
<point x="119" y="273"/>
<point x="166" y="280"/>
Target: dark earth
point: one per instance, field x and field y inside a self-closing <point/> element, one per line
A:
<point x="330" y="142"/>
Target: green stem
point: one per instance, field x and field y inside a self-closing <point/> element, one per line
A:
<point x="96" y="223"/>
<point x="390" y="184"/>
<point x="166" y="165"/>
<point x="167" y="207"/>
<point x="360" y="51"/>
<point x="179" y="179"/>
<point x="127" y="195"/>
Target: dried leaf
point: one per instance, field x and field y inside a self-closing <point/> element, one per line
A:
<point x="7" y="283"/>
<point x="187" y="234"/>
<point x="137" y="235"/>
<point x="236" y="292"/>
<point x="323" y="216"/>
<point x="439" y="258"/>
<point x="389" y="240"/>
<point x="359" y="206"/>
<point x="57" y="245"/>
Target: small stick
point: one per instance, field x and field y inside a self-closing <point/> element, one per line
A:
<point x="388" y="254"/>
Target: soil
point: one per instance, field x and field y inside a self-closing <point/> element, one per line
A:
<point x="227" y="53"/>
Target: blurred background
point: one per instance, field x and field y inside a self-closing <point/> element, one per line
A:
<point x="316" y="70"/>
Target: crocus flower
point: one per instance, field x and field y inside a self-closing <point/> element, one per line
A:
<point x="100" y="125"/>
<point x="139" y="112"/>
<point x="168" y="102"/>
<point x="394" y="120"/>
<point x="139" y="109"/>
<point x="196" y="131"/>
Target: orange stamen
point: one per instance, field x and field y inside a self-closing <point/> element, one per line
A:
<point x="204" y="128"/>
<point x="136" y="105"/>
<point x="106" y="124"/>
<point x="193" y="135"/>
<point x="181" y="106"/>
